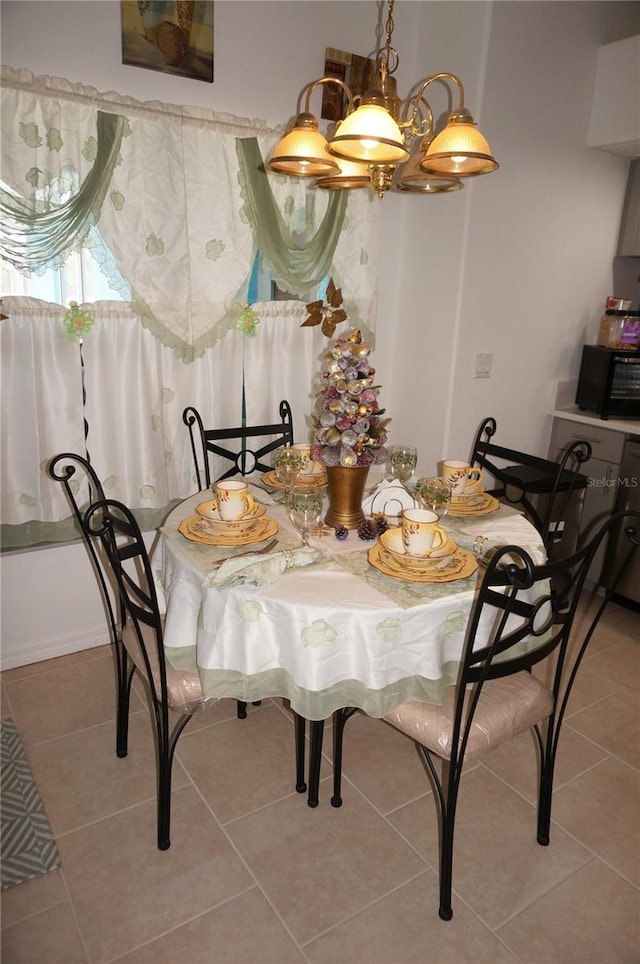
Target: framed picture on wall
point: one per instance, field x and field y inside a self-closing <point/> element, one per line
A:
<point x="173" y="36"/>
<point x="357" y="72"/>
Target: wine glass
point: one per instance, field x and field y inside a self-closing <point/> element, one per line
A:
<point x="403" y="460"/>
<point x="287" y="467"/>
<point x="434" y="494"/>
<point x="305" y="511"/>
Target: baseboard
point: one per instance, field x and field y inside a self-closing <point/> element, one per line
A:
<point x="23" y="653"/>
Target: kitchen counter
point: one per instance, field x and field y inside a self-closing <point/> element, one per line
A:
<point x="574" y="414"/>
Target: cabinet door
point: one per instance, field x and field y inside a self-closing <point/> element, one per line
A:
<point x="599" y="502"/>
<point x="629" y="243"/>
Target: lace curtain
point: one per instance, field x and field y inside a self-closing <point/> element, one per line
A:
<point x="177" y="209"/>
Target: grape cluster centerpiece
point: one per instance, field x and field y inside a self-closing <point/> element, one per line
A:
<point x="348" y="426"/>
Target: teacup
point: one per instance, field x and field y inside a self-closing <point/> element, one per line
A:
<point x="233" y="498"/>
<point x="421" y="533"/>
<point x="462" y="477"/>
<point x="308" y="465"/>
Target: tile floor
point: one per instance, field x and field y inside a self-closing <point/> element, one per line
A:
<point x="254" y="875"/>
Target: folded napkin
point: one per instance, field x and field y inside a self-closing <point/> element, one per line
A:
<point x="255" y="572"/>
<point x="514" y="530"/>
<point x="390" y="497"/>
<point x="261" y="495"/>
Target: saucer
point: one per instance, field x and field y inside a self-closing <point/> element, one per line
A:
<point x="210" y="514"/>
<point x="480" y="504"/>
<point x="316" y="480"/>
<point x="197" y="529"/>
<point x="391" y="542"/>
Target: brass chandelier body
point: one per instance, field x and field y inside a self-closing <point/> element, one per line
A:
<point x="371" y="146"/>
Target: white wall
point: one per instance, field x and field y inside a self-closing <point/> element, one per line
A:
<point x="518" y="263"/>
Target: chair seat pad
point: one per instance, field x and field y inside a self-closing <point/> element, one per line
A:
<point x="507" y="706"/>
<point x="184" y="690"/>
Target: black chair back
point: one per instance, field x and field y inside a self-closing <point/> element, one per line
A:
<point x="244" y="459"/>
<point x="543" y="489"/>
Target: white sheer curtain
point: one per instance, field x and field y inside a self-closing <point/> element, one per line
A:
<point x="174" y="223"/>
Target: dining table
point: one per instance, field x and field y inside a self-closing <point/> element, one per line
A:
<point x="323" y="628"/>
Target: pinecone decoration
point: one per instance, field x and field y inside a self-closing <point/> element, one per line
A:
<point x="380" y="520"/>
<point x="341" y="533"/>
<point x="368" y="530"/>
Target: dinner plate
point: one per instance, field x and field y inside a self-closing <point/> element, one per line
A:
<point x="459" y="565"/>
<point x="391" y="541"/>
<point x="317" y="480"/>
<point x="210" y="514"/>
<point x="195" y="529"/>
<point x="481" y="504"/>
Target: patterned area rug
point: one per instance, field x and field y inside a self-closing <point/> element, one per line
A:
<point x="28" y="847"/>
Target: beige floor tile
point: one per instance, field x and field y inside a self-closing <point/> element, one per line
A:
<point x="600" y="808"/>
<point x="620" y="664"/>
<point x="245" y="930"/>
<point x="320" y="865"/>
<point x="404" y="928"/>
<point x="372" y="748"/>
<point x="80" y="778"/>
<point x="613" y="723"/>
<point x="498" y="866"/>
<point x="591" y="918"/>
<point x="590" y="687"/>
<point x="58" y="662"/>
<point x="241" y="765"/>
<point x="126" y="892"/>
<point x="32" y="897"/>
<point x="516" y="762"/>
<point x="65" y="699"/>
<point x="49" y="937"/>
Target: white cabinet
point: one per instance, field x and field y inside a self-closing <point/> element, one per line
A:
<point x="615" y="118"/>
<point x="629" y="242"/>
<point x="599" y="496"/>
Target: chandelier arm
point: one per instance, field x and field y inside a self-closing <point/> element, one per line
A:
<point x="310" y="88"/>
<point x="421" y="109"/>
<point x="443" y="75"/>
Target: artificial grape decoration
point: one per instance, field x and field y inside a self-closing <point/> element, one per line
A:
<point x="368" y="530"/>
<point x="341" y="533"/>
<point x="348" y="427"/>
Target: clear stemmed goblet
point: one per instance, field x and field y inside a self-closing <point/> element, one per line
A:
<point x="305" y="511"/>
<point x="287" y="467"/>
<point x="434" y="494"/>
<point x="403" y="460"/>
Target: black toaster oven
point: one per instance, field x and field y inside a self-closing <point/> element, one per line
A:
<point x="609" y="382"/>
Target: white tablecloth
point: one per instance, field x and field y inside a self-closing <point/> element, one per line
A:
<point x="333" y="634"/>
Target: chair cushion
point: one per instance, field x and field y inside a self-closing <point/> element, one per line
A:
<point x="507" y="707"/>
<point x="184" y="690"/>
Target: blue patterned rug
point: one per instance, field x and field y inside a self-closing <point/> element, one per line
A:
<point x="27" y="845"/>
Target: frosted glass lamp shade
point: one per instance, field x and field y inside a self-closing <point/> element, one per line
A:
<point x="303" y="151"/>
<point x="351" y="175"/>
<point x="369" y="135"/>
<point x="460" y="149"/>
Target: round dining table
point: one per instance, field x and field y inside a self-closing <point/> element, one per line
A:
<point x="325" y="630"/>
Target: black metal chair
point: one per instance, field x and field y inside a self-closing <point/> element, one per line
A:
<point x="62" y="468"/>
<point x="497" y="697"/>
<point x="205" y="443"/>
<point x="142" y="640"/>
<point x="543" y="489"/>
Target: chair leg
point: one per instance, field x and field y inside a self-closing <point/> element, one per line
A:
<point x="447" y="808"/>
<point x="123" y="697"/>
<point x="242" y="709"/>
<point x="544" y="803"/>
<point x="166" y="746"/>
<point x="300" y="727"/>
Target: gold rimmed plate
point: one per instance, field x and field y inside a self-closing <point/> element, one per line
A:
<point x="480" y="504"/>
<point x="211" y="516"/>
<point x="317" y="480"/>
<point x="196" y="529"/>
<point x="459" y="565"/>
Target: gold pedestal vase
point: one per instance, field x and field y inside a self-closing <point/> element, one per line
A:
<point x="346" y="491"/>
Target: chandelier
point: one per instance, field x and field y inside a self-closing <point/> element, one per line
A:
<point x="383" y="142"/>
